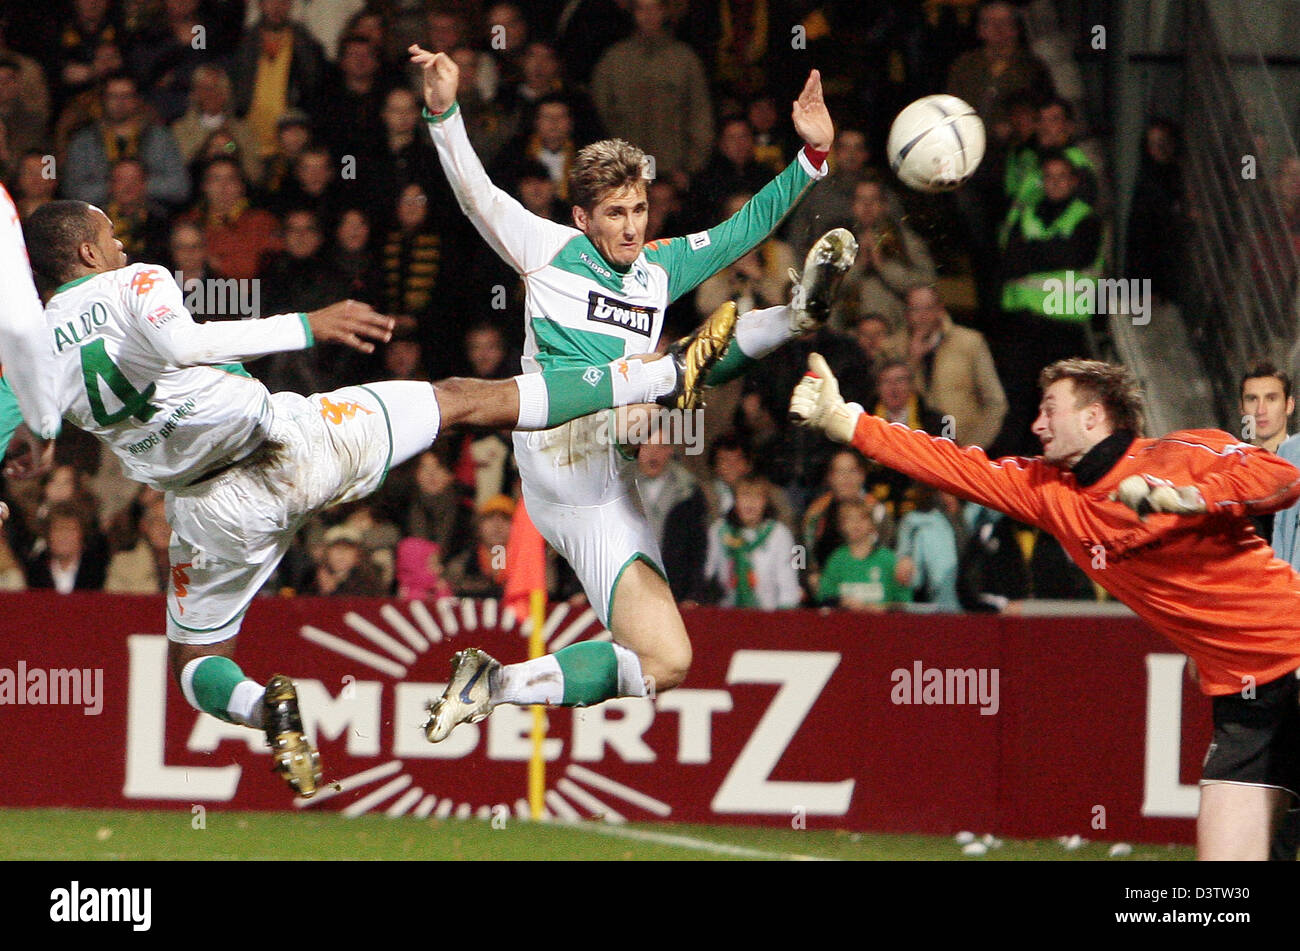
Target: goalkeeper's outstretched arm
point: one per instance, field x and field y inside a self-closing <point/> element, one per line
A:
<point x="1011" y="485"/>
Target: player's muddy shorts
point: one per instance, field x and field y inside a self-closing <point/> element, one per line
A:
<point x="580" y="489"/>
<point x="1257" y="742"/>
<point x="230" y="531"/>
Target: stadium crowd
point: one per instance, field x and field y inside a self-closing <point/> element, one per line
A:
<point x="272" y="155"/>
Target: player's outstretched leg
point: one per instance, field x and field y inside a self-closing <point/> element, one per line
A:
<point x="759" y="332"/>
<point x="697" y="355"/>
<point x="295" y="758"/>
<point x="575" y="676"/>
<point x="559" y="394"/>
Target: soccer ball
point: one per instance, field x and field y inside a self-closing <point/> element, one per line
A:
<point x="936" y="143"/>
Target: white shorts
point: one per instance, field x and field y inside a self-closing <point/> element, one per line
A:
<point x="229" y="532"/>
<point x="580" y="490"/>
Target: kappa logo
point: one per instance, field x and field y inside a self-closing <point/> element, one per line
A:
<point x="181" y="583"/>
<point x="337" y="412"/>
<point x="593" y="376"/>
<point x="609" y="310"/>
<point x="144" y="281"/>
<point x="622" y="368"/>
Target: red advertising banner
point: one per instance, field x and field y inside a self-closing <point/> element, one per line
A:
<point x="902" y="722"/>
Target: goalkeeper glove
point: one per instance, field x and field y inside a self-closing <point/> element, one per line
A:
<point x="1146" y="494"/>
<point x="816" y="402"/>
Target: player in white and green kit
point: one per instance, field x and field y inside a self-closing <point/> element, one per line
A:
<point x="594" y="292"/>
<point x="243" y="468"/>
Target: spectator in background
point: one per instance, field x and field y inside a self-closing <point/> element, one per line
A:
<point x="664" y="219"/>
<point x="751" y="553"/>
<point x="535" y="189"/>
<point x="238" y="235"/>
<point x="411" y="260"/>
<point x="1055" y="135"/>
<point x="652" y="67"/>
<point x="487" y="122"/>
<point x="188" y="258"/>
<point x="420" y="571"/>
<point x="293" y="134"/>
<point x="63" y="560"/>
<point x="138" y="222"/>
<point x="543" y="78"/>
<point x="33" y="90"/>
<point x="480" y="571"/>
<point x="929" y="539"/>
<point x="954" y="370"/>
<point x="88" y="48"/>
<point x="34" y="183"/>
<point x="756" y="280"/>
<point x="277" y="66"/>
<point x="878" y="339"/>
<point x="356" y="96"/>
<point x="323" y="22"/>
<point x="846" y="481"/>
<point x="1157" y="221"/>
<point x="343" y="568"/>
<point x="315" y="184"/>
<point x="1266" y="407"/>
<point x="860" y="575"/>
<point x="146" y="567"/>
<point x="430" y="504"/>
<point x="830" y="204"/>
<point x="774" y="146"/>
<point x="351" y="257"/>
<point x="403" y="154"/>
<point x="1055" y="242"/>
<point x="166" y="52"/>
<point x="301" y="279"/>
<point x="486" y="353"/>
<point x="585" y="30"/>
<point x="548" y="139"/>
<point x="1001" y="69"/>
<point x="124" y="130"/>
<point x="891" y="259"/>
<point x="211" y="108"/>
<point x="678" y="514"/>
<point x="507" y="40"/>
<point x="21" y="128"/>
<point x="731" y="168"/>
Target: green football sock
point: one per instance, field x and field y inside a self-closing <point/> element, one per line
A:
<point x="217" y="686"/>
<point x="560" y="394"/>
<point x="733" y="363"/>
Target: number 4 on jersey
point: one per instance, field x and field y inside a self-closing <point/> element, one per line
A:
<point x="97" y="365"/>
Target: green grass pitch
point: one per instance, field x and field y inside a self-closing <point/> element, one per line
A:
<point x="89" y="835"/>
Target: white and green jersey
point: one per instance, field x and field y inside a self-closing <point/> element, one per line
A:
<point x="579" y="309"/>
<point x="166" y="393"/>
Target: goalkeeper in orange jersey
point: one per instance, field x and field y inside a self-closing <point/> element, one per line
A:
<point x="1163" y="525"/>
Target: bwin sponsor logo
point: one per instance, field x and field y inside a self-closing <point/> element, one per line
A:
<point x="617" y="313"/>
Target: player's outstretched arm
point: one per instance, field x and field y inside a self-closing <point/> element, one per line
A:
<point x="523" y="240"/>
<point x="1014" y="486"/>
<point x="351" y="323"/>
<point x="1235" y="480"/>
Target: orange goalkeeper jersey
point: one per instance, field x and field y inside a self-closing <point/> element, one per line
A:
<point x="1208" y="582"/>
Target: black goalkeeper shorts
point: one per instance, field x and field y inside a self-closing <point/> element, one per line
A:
<point x="1257" y="741"/>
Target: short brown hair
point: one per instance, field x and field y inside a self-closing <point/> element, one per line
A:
<point x="1261" y="369"/>
<point x="1109" y="384"/>
<point x="608" y="165"/>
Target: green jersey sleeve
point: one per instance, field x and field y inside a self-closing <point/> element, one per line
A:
<point x="693" y="259"/>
